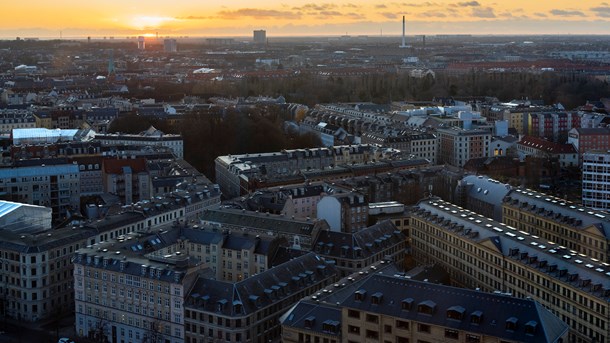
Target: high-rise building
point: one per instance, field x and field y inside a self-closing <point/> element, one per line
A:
<point x="141" y="43"/>
<point x="170" y="45"/>
<point x="260" y="36"/>
<point x="457" y="145"/>
<point x="596" y="180"/>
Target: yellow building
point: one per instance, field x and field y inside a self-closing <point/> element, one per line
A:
<point x="481" y="253"/>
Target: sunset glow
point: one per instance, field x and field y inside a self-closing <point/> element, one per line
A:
<point x="239" y="17"/>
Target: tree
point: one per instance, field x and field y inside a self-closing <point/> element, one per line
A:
<point x="154" y="333"/>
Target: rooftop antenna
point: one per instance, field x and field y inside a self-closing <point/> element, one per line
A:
<point x="403" y="45"/>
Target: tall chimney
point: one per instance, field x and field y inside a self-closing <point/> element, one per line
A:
<point x="403" y="45"/>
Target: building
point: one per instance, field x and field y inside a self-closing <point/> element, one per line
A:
<point x="419" y="145"/>
<point x="249" y="310"/>
<point x="234" y="172"/>
<point x="141" y="43"/>
<point x="351" y="252"/>
<point x="482" y="195"/>
<point x="231" y="256"/>
<point x="16" y="119"/>
<point x="457" y="145"/>
<point x="35" y="263"/>
<point x="542" y="148"/>
<point x="127" y="178"/>
<point x="344" y="212"/>
<point x="553" y="126"/>
<point x="123" y="295"/>
<point x="596" y="180"/>
<point x="491" y="256"/>
<point x="585" y="139"/>
<point x="170" y="45"/>
<point x="54" y="186"/>
<point x="558" y="220"/>
<point x="299" y="232"/>
<point x="260" y="36"/>
<point x="151" y="136"/>
<point x="382" y="306"/>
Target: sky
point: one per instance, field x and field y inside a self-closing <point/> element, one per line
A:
<point x="97" y="18"/>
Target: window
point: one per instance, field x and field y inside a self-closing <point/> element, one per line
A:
<point x="372" y="318"/>
<point x="472" y="338"/>
<point x="372" y="334"/>
<point x="423" y="328"/>
<point x="353" y="314"/>
<point x="401" y="324"/>
<point x="453" y="334"/>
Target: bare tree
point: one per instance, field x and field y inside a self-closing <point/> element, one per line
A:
<point x="154" y="333"/>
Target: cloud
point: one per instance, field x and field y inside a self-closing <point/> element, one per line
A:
<point x="466" y="4"/>
<point x="484" y="12"/>
<point x="381" y="6"/>
<point x="420" y="4"/>
<point x="315" y="7"/>
<point x="564" y="13"/>
<point x="542" y="15"/>
<point x="258" y="14"/>
<point x="434" y="14"/>
<point x="356" y="16"/>
<point x="350" y="5"/>
<point x="602" y="11"/>
<point x="389" y="15"/>
<point x="194" y="17"/>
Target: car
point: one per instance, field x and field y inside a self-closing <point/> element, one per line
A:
<point x="65" y="340"/>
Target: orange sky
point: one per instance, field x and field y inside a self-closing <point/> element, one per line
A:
<point x="77" y="18"/>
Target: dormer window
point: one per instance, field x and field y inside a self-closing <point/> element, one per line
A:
<point x="376" y="298"/>
<point x="359" y="295"/>
<point x="406" y="304"/>
<point x="530" y="327"/>
<point x="426" y="307"/>
<point x="476" y="317"/>
<point x="511" y="324"/>
<point x="309" y="322"/>
<point x="455" y="312"/>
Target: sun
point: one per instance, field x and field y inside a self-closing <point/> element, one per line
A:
<point x="150" y="22"/>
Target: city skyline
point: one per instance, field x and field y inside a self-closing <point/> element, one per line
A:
<point x="73" y="19"/>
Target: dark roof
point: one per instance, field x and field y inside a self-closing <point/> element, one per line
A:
<point x="261" y="290"/>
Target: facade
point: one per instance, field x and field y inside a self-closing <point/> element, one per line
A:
<point x="482" y="195"/>
<point x="54" y="186"/>
<point x="125" y="296"/>
<point x="457" y="146"/>
<point x="382" y="306"/>
<point x="16" y="119"/>
<point x="127" y="178"/>
<point x="420" y="145"/>
<point x="585" y="139"/>
<point x="344" y="212"/>
<point x="249" y="310"/>
<point x="260" y="36"/>
<point x="299" y="232"/>
<point x="558" y="220"/>
<point x="553" y="126"/>
<point x="151" y="136"/>
<point x="233" y="171"/>
<point x="36" y="269"/>
<point x="481" y="253"/>
<point x="351" y="252"/>
<point x="542" y="148"/>
<point x="596" y="180"/>
<point x="170" y="45"/>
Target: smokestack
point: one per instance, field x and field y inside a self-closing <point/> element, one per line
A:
<point x="403" y="45"/>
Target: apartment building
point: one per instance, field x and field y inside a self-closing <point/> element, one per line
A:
<point x="457" y="145"/>
<point x="16" y="119"/>
<point x="344" y="212"/>
<point x="123" y="295"/>
<point x="249" y="310"/>
<point x="299" y="232"/>
<point x="129" y="179"/>
<point x="382" y="306"/>
<point x="231" y="256"/>
<point x="420" y="145"/>
<point x="481" y="253"/>
<point x="589" y="139"/>
<point x="558" y="220"/>
<point x="152" y="137"/>
<point x="553" y="126"/>
<point x="542" y="148"/>
<point x="54" y="186"/>
<point x="232" y="171"/>
<point x="596" y="180"/>
<point x="351" y="252"/>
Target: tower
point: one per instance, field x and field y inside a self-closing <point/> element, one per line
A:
<point x="403" y="45"/>
<point x="111" y="62"/>
<point x="260" y="36"/>
<point x="141" y="43"/>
